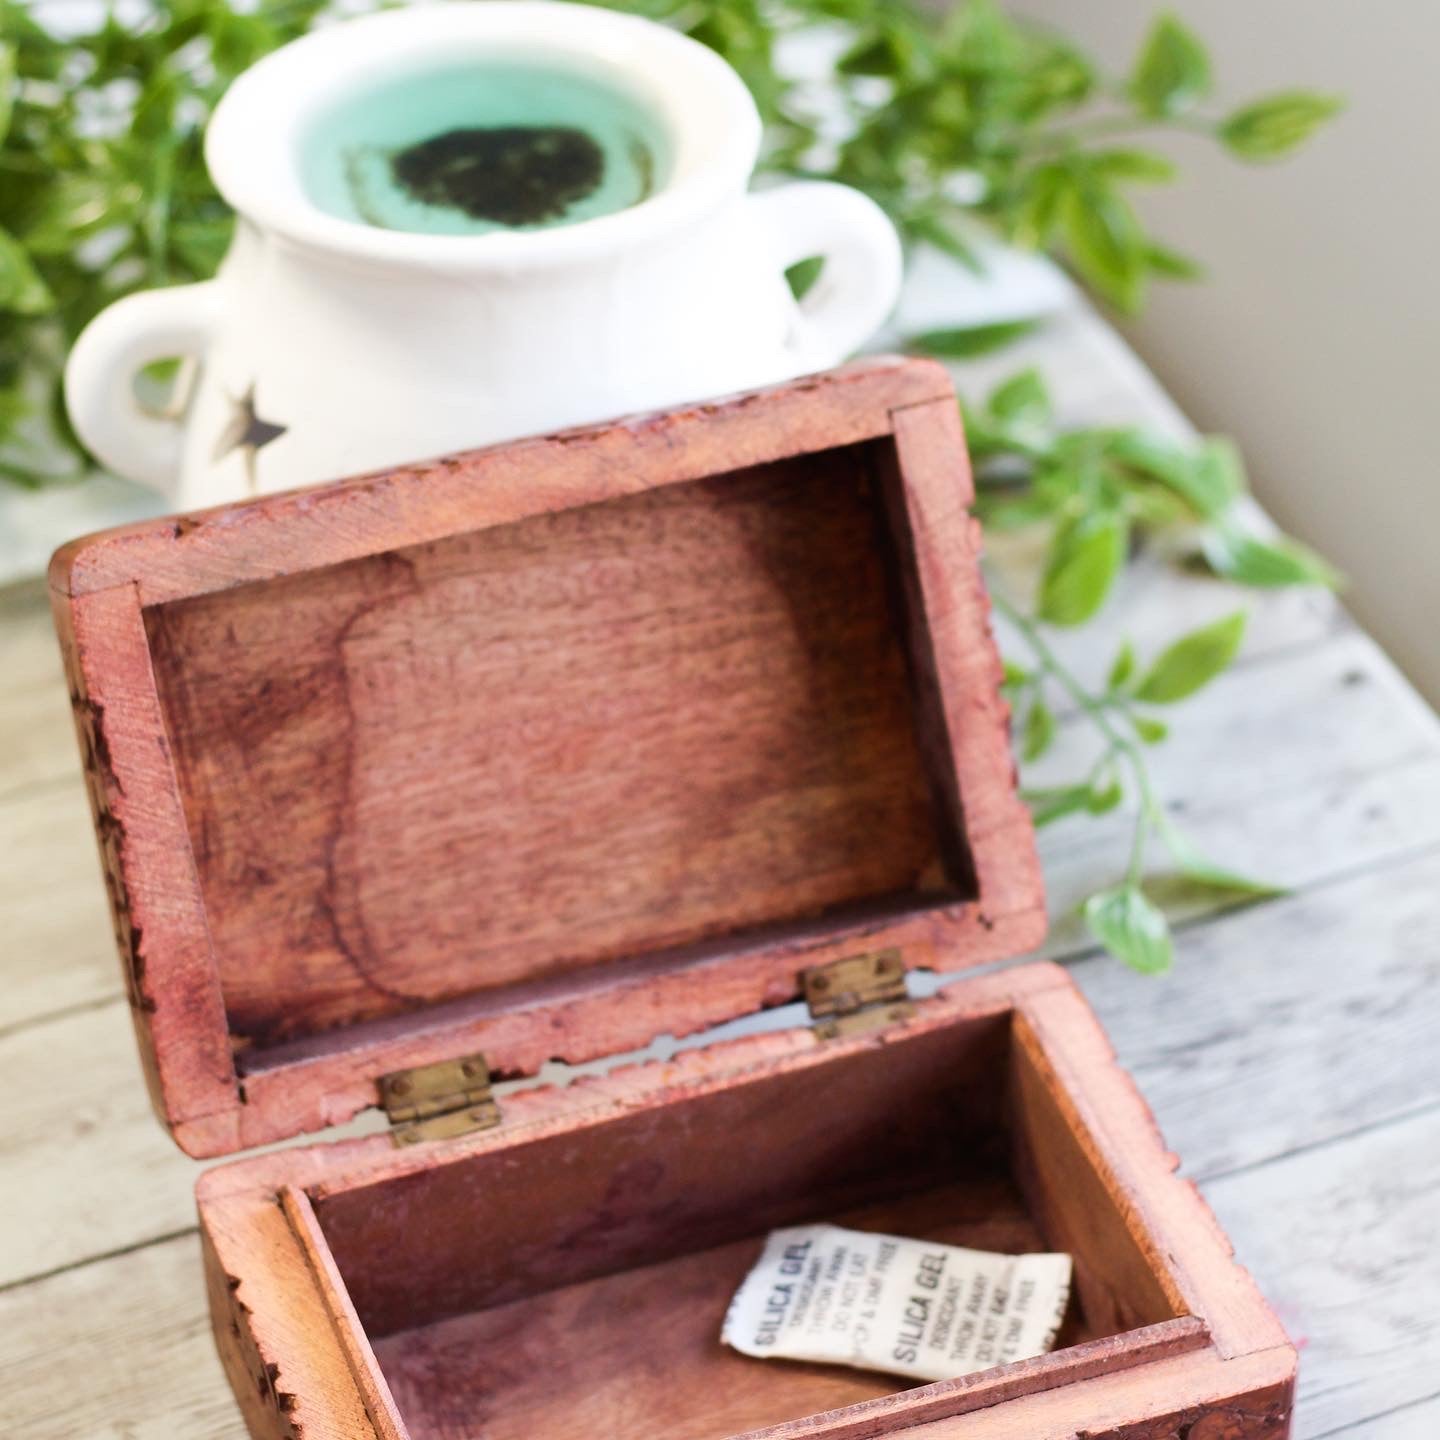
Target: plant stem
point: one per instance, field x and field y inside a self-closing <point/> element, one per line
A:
<point x="1151" y="811"/>
<point x="1111" y="127"/>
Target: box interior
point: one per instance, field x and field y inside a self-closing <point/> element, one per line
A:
<point x="694" y="715"/>
<point x="574" y="1284"/>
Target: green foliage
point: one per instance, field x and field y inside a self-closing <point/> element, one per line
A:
<point x="103" y="189"/>
<point x="1092" y="492"/>
<point x="1085" y="558"/>
<point x="1039" y="729"/>
<point x="1102" y="488"/>
<point x="1192" y="662"/>
<point x="1131" y="928"/>
<point x="1172" y="71"/>
<point x="1196" y="867"/>
<point x="1271" y="129"/>
<point x="972" y="340"/>
<point x="953" y="118"/>
<point x="102" y="186"/>
<point x="1266" y="563"/>
<point x="1022" y="400"/>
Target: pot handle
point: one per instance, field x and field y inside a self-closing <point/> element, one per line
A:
<point x="100" y="378"/>
<point x="859" y="282"/>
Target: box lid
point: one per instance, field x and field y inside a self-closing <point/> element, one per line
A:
<point x="545" y="749"/>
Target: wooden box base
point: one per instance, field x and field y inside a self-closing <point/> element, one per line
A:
<point x="566" y="1274"/>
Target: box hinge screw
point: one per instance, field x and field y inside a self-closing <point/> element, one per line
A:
<point x="856" y="994"/>
<point x="436" y="1102"/>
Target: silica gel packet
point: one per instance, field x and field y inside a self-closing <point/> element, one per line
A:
<point x="907" y="1307"/>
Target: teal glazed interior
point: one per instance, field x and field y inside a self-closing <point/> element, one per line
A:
<point x="480" y="147"/>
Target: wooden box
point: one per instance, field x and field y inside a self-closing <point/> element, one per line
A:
<point x="410" y="784"/>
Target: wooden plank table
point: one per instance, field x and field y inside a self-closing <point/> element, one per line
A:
<point x="1291" y="1056"/>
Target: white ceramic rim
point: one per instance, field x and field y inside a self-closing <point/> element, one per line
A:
<point x="712" y="124"/>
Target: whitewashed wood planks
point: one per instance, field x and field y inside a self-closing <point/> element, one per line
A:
<point x="119" y="1350"/>
<point x="1343" y="1238"/>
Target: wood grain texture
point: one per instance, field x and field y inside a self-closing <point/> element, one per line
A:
<point x="59" y="950"/>
<point x="1351" y="944"/>
<point x="416" y="505"/>
<point x="287" y="1365"/>
<point x="1281" y="765"/>
<point x="492" y="1372"/>
<point x="631" y="1212"/>
<point x="545" y="771"/>
<point x="156" y="906"/>
<point x="1296" y="1024"/>
<point x="1348" y="968"/>
<point x="375" y="1394"/>
<point x="949" y="612"/>
<point x="1344" y="1234"/>
<point x="118" y="1350"/>
<point x="32" y="697"/>
<point x="527" y="751"/>
<point x="1076" y="1198"/>
<point x="1188" y="1397"/>
<point x="1114" y="1133"/>
<point x="665" y="1179"/>
<point x="147" y="1189"/>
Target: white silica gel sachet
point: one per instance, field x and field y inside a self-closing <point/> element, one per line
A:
<point x="908" y="1307"/>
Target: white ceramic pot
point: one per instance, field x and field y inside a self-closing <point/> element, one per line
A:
<point x="327" y="347"/>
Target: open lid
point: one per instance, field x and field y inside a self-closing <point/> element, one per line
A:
<point x="545" y="749"/>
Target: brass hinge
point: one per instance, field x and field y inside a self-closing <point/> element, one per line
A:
<point x="435" y="1102"/>
<point x="857" y="993"/>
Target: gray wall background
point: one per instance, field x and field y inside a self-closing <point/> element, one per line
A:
<point x="1313" y="339"/>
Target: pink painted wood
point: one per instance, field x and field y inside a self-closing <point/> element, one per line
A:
<point x="544" y="749"/>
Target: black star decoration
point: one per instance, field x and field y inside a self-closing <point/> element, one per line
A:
<point x="246" y="431"/>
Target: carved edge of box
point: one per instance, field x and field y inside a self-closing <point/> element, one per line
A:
<point x="145" y="854"/>
<point x="264" y="1403"/>
<point x="1262" y="1412"/>
<point x="285" y="1364"/>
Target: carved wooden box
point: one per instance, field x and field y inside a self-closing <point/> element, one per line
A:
<point x="408" y="785"/>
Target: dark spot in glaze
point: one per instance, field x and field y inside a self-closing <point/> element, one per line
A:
<point x="510" y="174"/>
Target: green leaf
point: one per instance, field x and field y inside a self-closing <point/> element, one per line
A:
<point x="22" y="289"/>
<point x="1085" y="558"/>
<point x="1218" y="479"/>
<point x="872" y="54"/>
<point x="1150" y="730"/>
<point x="1171" y="264"/>
<point x="201" y="246"/>
<point x="1195" y="866"/>
<point x="1107" y="244"/>
<point x="1172" y="70"/>
<point x="75" y="207"/>
<point x="983" y="38"/>
<point x="803" y="274"/>
<point x="1139" y="167"/>
<point x="1131" y="929"/>
<point x="1049" y="805"/>
<point x="1106" y="798"/>
<point x="1208" y="480"/>
<point x="1039" y="730"/>
<point x="1015" y="675"/>
<point x="1267" y="564"/>
<point x="967" y="341"/>
<point x="1123" y="668"/>
<point x="1037" y="210"/>
<point x="1192" y="661"/>
<point x="1022" y="399"/>
<point x="1271" y="128"/>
